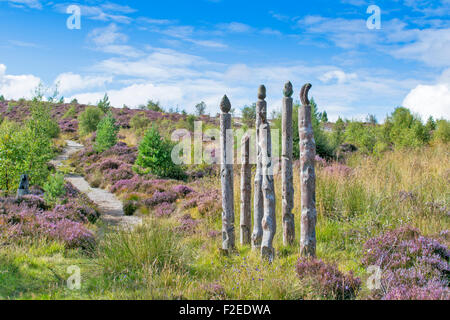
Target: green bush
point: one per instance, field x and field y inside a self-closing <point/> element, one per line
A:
<point x="54" y="188"/>
<point x="130" y="207"/>
<point x="442" y="132"/>
<point x="106" y="134"/>
<point x="89" y="120"/>
<point x="104" y="104"/>
<point x="155" y="155"/>
<point x="139" y="121"/>
<point x="71" y="113"/>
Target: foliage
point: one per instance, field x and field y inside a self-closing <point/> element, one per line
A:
<point x="327" y="280"/>
<point x="442" y="132"/>
<point x="200" y="108"/>
<point x="413" y="267"/>
<point x="139" y="121"/>
<point x="155" y="154"/>
<point x="403" y="129"/>
<point x="249" y="115"/>
<point x="54" y="188"/>
<point x="104" y="104"/>
<point x="154" y="106"/>
<point x="106" y="134"/>
<point x="71" y="113"/>
<point x="323" y="147"/>
<point x="89" y="120"/>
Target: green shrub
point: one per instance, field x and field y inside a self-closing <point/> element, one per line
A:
<point x="442" y="132"/>
<point x="2" y="98"/>
<point x="106" y="134"/>
<point x="54" y="188"/>
<point x="139" y="121"/>
<point x="154" y="106"/>
<point x="71" y="113"/>
<point x="89" y="120"/>
<point x="104" y="104"/>
<point x="130" y="207"/>
<point x="155" y="155"/>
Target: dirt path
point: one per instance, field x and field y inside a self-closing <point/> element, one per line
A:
<point x="111" y="208"/>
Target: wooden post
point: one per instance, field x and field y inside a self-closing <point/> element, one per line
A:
<point x="246" y="193"/>
<point x="269" y="222"/>
<point x="286" y="164"/>
<point x="307" y="176"/>
<point x="226" y="143"/>
<point x="258" y="204"/>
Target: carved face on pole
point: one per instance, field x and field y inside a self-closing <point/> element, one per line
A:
<point x="288" y="90"/>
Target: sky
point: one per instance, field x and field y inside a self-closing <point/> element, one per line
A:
<point x="184" y="52"/>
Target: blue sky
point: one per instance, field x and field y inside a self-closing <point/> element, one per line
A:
<point x="184" y="52"/>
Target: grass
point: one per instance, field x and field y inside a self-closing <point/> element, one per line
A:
<point x="154" y="262"/>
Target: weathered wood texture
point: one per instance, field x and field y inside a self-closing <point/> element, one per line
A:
<point x="258" y="204"/>
<point x="307" y="177"/>
<point x="269" y="222"/>
<point x="286" y="168"/>
<point x="226" y="144"/>
<point x="246" y="192"/>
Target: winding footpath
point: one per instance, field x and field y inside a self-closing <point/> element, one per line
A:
<point x="110" y="207"/>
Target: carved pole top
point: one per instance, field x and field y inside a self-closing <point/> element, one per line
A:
<point x="288" y="90"/>
<point x="304" y="94"/>
<point x="262" y="92"/>
<point x="225" y="105"/>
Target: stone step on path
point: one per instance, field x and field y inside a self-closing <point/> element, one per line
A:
<point x="110" y="207"/>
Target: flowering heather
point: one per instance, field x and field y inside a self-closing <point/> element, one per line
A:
<point x="161" y="197"/>
<point x="214" y="291"/>
<point x="208" y="203"/>
<point x="76" y="212"/>
<point x="327" y="279"/>
<point x="413" y="266"/>
<point x="338" y="170"/>
<point x="68" y="126"/>
<point x="214" y="234"/>
<point x="165" y="209"/>
<point x="182" y="190"/>
<point x="320" y="161"/>
<point x="22" y="221"/>
<point x="187" y="224"/>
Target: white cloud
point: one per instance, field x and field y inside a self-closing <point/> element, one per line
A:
<point x="339" y="75"/>
<point x="34" y="4"/>
<point x="430" y="100"/>
<point x="70" y="82"/>
<point x="17" y="86"/>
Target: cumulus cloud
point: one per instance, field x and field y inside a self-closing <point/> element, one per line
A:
<point x="430" y="100"/>
<point x="70" y="82"/>
<point x="17" y="86"/>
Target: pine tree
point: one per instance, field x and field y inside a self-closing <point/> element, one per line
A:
<point x="155" y="155"/>
<point x="106" y="134"/>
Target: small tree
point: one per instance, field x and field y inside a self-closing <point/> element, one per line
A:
<point x="200" y="108"/>
<point x="89" y="119"/>
<point x="106" y="134"/>
<point x="104" y="104"/>
<point x="155" y="155"/>
<point x="442" y="132"/>
<point x="2" y="98"/>
<point x="249" y="115"/>
<point x="154" y="106"/>
<point x="54" y="188"/>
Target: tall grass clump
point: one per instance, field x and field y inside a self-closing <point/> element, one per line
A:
<point x="151" y="248"/>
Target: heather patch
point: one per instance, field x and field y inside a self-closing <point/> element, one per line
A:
<point x="326" y="280"/>
<point x="413" y="266"/>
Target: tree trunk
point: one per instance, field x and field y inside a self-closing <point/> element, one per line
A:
<point x="269" y="221"/>
<point x="307" y="177"/>
<point x="226" y="143"/>
<point x="258" y="203"/>
<point x="246" y="193"/>
<point x="286" y="164"/>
